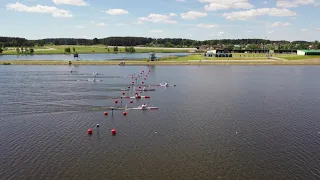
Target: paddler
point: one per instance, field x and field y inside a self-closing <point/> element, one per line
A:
<point x="144" y="106"/>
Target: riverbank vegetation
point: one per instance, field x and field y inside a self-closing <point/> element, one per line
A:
<point x="162" y="42"/>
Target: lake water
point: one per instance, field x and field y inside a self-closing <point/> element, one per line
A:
<point x="219" y="122"/>
<point x="95" y="57"/>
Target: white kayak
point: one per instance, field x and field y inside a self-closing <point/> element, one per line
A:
<point x="136" y="97"/>
<point x="145" y="108"/>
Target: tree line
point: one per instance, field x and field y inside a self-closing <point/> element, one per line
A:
<point x="161" y="42"/>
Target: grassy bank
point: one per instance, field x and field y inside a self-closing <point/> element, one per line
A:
<point x="93" y="49"/>
<point x="238" y="56"/>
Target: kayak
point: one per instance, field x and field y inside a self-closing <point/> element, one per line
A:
<point x="146" y="90"/>
<point x="146" y="108"/>
<point x="136" y="97"/>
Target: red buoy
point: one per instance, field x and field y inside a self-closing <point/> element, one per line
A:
<point x="113" y="131"/>
<point x="147" y="75"/>
<point x="136" y="93"/>
<point x="131" y="101"/>
<point x="132" y="82"/>
<point x="106" y="113"/>
<point x="123" y="93"/>
<point x="124" y="113"/>
<point x="90" y="131"/>
<point x="145" y="78"/>
<point x="142" y="82"/>
<point x="147" y="97"/>
<point x="116" y="101"/>
<point x="139" y="87"/>
<point x="142" y="70"/>
<point x="128" y="87"/>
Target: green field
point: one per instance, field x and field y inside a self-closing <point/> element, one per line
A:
<point x="92" y="49"/>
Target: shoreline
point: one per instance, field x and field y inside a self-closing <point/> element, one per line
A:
<point x="190" y="62"/>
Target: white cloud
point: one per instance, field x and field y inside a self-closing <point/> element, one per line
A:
<point x="117" y="12"/>
<point x="193" y="15"/>
<point x="172" y="14"/>
<point x="71" y="2"/>
<point x="207" y="25"/>
<point x="245" y="15"/>
<point x="100" y="24"/>
<point x="181" y="0"/>
<point x="265" y="2"/>
<point x="156" y="31"/>
<point x="215" y="5"/>
<point x="271" y="31"/>
<point x="80" y="27"/>
<point x="84" y="37"/>
<point x="55" y="12"/>
<point x="304" y="30"/>
<point x="294" y="3"/>
<point x="280" y="24"/>
<point x="158" y="18"/>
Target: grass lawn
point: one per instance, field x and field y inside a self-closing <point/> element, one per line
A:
<point x="92" y="49"/>
<point x="202" y="57"/>
<point x="299" y="57"/>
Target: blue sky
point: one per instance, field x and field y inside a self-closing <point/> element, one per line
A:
<point x="194" y="19"/>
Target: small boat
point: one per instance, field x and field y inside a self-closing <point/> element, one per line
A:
<point x="145" y="89"/>
<point x="135" y="97"/>
<point x="142" y="107"/>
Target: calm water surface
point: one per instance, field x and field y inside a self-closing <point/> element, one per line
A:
<point x="92" y="57"/>
<point x="219" y="122"/>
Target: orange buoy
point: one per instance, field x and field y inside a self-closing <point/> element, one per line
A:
<point x="113" y="131"/>
<point x="106" y="113"/>
<point x="116" y="101"/>
<point x="124" y="113"/>
<point x="131" y="101"/>
<point x="90" y="131"/>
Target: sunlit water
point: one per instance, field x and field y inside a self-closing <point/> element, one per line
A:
<point x="219" y="122"/>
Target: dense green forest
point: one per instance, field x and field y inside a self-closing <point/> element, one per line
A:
<point x="165" y="42"/>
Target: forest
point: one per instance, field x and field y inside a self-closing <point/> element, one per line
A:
<point x="162" y="42"/>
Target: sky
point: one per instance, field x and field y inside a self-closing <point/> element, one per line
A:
<point x="192" y="19"/>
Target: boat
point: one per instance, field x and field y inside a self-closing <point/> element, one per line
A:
<point x="135" y="97"/>
<point x="145" y="90"/>
<point x="142" y="107"/>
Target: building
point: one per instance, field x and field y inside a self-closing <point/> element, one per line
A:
<point x="308" y="52"/>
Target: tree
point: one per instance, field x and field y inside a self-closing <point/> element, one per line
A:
<point x="96" y="41"/>
<point x="67" y="50"/>
<point x="31" y="50"/>
<point x="1" y="50"/>
<point x="74" y="49"/>
<point x="18" y="50"/>
<point x="115" y="49"/>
